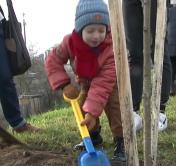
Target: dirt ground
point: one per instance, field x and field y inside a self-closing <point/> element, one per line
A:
<point x="16" y="155"/>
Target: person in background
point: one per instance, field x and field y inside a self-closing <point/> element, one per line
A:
<point x="171" y="40"/>
<point x="173" y="84"/>
<point x="89" y="50"/>
<point x="133" y="22"/>
<point x="8" y="94"/>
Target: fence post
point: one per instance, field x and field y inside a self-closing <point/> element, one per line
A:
<point x="31" y="104"/>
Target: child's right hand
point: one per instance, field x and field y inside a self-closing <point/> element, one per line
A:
<point x="89" y="121"/>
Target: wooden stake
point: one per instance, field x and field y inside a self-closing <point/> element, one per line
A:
<point x="123" y="81"/>
<point x="157" y="76"/>
<point x="147" y="84"/>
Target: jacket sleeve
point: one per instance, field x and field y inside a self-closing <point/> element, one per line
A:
<point x="54" y="65"/>
<point x="101" y="88"/>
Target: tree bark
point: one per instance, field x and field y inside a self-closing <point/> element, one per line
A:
<point x="157" y="75"/>
<point x="123" y="81"/>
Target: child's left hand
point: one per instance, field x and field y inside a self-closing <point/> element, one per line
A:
<point x="89" y="121"/>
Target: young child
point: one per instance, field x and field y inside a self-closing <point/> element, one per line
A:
<point x="89" y="49"/>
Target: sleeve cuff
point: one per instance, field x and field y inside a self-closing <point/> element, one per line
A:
<point x="93" y="107"/>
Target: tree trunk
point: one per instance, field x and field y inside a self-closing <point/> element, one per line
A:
<point x="157" y="76"/>
<point x="123" y="81"/>
<point x="147" y="85"/>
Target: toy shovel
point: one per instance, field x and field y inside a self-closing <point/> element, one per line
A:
<point x="90" y="157"/>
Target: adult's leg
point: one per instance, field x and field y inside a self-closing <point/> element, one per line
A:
<point x="10" y="104"/>
<point x="166" y="82"/>
<point x="133" y="21"/>
<point x="173" y="61"/>
<point x="171" y="41"/>
<point x="166" y="77"/>
<point x="8" y="94"/>
<point x="173" y="84"/>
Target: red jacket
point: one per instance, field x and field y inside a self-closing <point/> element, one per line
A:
<point x="101" y="86"/>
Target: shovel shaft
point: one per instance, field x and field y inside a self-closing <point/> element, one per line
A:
<point x="91" y="157"/>
<point x="79" y="118"/>
<point x="83" y="129"/>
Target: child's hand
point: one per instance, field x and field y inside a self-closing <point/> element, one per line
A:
<point x="89" y="121"/>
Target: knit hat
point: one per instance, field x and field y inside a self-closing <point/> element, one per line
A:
<point x="91" y="12"/>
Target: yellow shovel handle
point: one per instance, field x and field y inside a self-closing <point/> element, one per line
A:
<point x="79" y="118"/>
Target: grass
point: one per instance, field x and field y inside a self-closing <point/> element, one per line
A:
<point x="61" y="133"/>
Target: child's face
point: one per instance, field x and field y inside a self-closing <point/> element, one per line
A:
<point x="94" y="34"/>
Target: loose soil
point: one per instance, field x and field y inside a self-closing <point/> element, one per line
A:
<point x="22" y="155"/>
<point x="17" y="155"/>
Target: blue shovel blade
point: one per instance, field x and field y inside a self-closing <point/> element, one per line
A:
<point x="98" y="158"/>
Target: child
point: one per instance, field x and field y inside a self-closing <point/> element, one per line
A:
<point x="89" y="49"/>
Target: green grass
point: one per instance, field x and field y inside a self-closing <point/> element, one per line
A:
<point x="61" y="133"/>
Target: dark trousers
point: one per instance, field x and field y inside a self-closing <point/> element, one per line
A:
<point x="133" y="21"/>
<point x="173" y="62"/>
<point x="171" y="38"/>
<point x="8" y="94"/>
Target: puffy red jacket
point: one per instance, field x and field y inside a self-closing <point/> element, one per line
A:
<point x="101" y="86"/>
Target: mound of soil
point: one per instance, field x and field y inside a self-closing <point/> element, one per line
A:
<point x="16" y="155"/>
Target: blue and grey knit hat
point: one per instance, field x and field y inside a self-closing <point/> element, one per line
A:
<point x="91" y="12"/>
